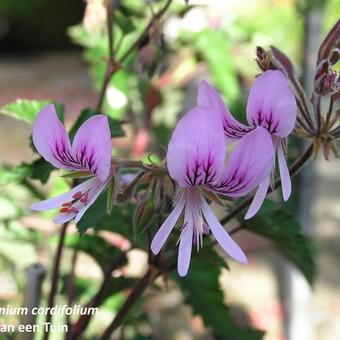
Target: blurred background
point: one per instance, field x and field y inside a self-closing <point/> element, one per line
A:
<point x="49" y="50"/>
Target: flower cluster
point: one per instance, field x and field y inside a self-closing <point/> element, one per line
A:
<point x="197" y="154"/>
<point x="197" y="160"/>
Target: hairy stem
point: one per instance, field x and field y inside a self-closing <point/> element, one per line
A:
<point x="298" y="164"/>
<point x="55" y="276"/>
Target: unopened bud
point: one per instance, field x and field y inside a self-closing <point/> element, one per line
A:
<point x="327" y="81"/>
<point x="264" y="59"/>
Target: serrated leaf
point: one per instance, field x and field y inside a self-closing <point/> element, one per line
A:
<point x="41" y="170"/>
<point x="27" y="110"/>
<point x="202" y="292"/>
<point x="93" y="215"/>
<point x="280" y="226"/>
<point x="115" y="125"/>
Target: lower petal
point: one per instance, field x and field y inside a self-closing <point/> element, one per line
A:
<point x="221" y="236"/>
<point x="64" y="217"/>
<point x="258" y="199"/>
<point x="93" y="195"/>
<point x="184" y="252"/>
<point x="56" y="202"/>
<point x="166" y="228"/>
<point x="284" y="173"/>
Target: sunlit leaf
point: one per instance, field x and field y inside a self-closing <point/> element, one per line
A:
<point x="26" y="110"/>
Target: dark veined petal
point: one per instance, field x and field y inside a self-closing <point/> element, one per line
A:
<point x="250" y="163"/>
<point x="92" y="146"/>
<point x="209" y="97"/>
<point x="196" y="151"/>
<point x="91" y="149"/>
<point x="50" y="138"/>
<point x="272" y="104"/>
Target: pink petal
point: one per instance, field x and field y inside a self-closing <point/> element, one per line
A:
<point x="57" y="202"/>
<point x="250" y="163"/>
<point x="284" y="173"/>
<point x="259" y="197"/>
<point x="221" y="236"/>
<point x="92" y="186"/>
<point x="92" y="146"/>
<point x="65" y="217"/>
<point x="50" y="138"/>
<point x="272" y="104"/>
<point x="196" y="151"/>
<point x="166" y="228"/>
<point x="95" y="191"/>
<point x="184" y="252"/>
<point x="81" y="207"/>
<point x="209" y="97"/>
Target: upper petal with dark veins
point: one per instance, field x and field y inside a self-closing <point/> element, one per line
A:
<point x="209" y="97"/>
<point x="250" y="163"/>
<point x="91" y="149"/>
<point x="196" y="151"/>
<point x="272" y="104"/>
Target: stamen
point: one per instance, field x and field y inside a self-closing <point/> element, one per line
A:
<point x="64" y="210"/>
<point x="67" y="204"/>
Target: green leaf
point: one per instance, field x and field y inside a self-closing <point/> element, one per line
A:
<point x="39" y="169"/>
<point x="115" y="125"/>
<point x="214" y="47"/>
<point x="120" y="221"/>
<point x="202" y="292"/>
<point x="284" y="230"/>
<point x="125" y="23"/>
<point x="93" y="215"/>
<point x="26" y="110"/>
<point x="97" y="247"/>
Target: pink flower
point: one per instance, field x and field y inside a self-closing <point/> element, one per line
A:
<point x="196" y="160"/>
<point x="90" y="152"/>
<point x="272" y="105"/>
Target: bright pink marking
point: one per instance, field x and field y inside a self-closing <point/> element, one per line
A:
<point x="64" y="210"/>
<point x="84" y="198"/>
<point x="77" y="194"/>
<point x="67" y="204"/>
